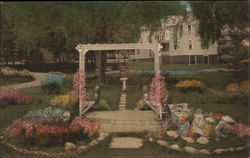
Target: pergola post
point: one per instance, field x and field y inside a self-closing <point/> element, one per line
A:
<point x="82" y="69"/>
<point x="157" y="58"/>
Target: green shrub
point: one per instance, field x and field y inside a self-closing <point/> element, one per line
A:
<point x="104" y="104"/>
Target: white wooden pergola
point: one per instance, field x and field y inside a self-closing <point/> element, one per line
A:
<point x="84" y="48"/>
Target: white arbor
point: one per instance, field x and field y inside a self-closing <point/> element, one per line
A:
<point x="84" y="48"/>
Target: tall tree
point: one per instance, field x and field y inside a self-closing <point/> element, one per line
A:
<point x="214" y="15"/>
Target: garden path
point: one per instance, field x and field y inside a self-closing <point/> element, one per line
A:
<point x="126" y="121"/>
<point x="38" y="77"/>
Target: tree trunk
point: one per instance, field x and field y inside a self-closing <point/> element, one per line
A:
<point x="100" y="67"/>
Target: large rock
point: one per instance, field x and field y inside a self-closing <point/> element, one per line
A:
<point x="69" y="146"/>
<point x="227" y="119"/>
<point x="172" y="134"/>
<point x="190" y="149"/>
<point x="204" y="151"/>
<point x="210" y="119"/>
<point x="219" y="151"/>
<point x="223" y="129"/>
<point x="66" y="116"/>
<point x="188" y="139"/>
<point x="162" y="143"/>
<point x="93" y="143"/>
<point x="175" y="147"/>
<point x="202" y="140"/>
<point x="102" y="136"/>
<point x="198" y="123"/>
<point x="82" y="148"/>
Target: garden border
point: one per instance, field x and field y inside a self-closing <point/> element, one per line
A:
<point x="189" y="149"/>
<point x="93" y="143"/>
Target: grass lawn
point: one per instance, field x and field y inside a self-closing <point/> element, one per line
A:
<point x="150" y="66"/>
<point x="111" y="92"/>
<point x="14" y="80"/>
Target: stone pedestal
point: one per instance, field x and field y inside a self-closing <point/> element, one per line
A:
<point x="124" y="83"/>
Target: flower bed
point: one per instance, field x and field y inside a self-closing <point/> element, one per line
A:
<point x="50" y="127"/>
<point x="191" y="85"/>
<point x="194" y="126"/>
<point x="10" y="72"/>
<point x="13" y="96"/>
<point x="168" y="72"/>
<point x="238" y="92"/>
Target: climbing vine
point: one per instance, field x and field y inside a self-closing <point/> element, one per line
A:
<point x="175" y="36"/>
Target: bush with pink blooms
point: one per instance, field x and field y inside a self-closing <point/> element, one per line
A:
<point x="157" y="91"/>
<point x="13" y="96"/>
<point x="241" y="130"/>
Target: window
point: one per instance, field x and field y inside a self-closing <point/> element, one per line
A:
<point x="190" y="44"/>
<point x="189" y="29"/>
<point x="165" y="47"/>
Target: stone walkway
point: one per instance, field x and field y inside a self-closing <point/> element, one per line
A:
<point x="126" y="121"/>
<point x="126" y="142"/>
<point x="123" y="100"/>
<point x="38" y="77"/>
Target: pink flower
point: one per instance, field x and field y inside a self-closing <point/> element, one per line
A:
<point x="79" y="84"/>
<point x="241" y="130"/>
<point x="157" y="91"/>
<point x="13" y="96"/>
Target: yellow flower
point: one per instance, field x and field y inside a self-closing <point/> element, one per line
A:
<point x="186" y="84"/>
<point x="63" y="100"/>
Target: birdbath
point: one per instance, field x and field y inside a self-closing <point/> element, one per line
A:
<point x="124" y="83"/>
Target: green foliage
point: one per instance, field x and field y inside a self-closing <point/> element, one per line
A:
<point x="213" y="15"/>
<point x="60" y="26"/>
<point x="226" y="58"/>
<point x="240" y="52"/>
<point x="104" y="104"/>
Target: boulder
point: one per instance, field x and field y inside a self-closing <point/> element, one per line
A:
<point x="190" y="149"/>
<point x="240" y="148"/>
<point x="183" y="127"/>
<point x="227" y="119"/>
<point x="223" y="129"/>
<point x="172" y="134"/>
<point x="162" y="143"/>
<point x="93" y="143"/>
<point x="103" y="134"/>
<point x="151" y="139"/>
<point x="66" y="116"/>
<point x="219" y="151"/>
<point x="204" y="151"/>
<point x="202" y="140"/>
<point x="69" y="146"/>
<point x="82" y="148"/>
<point x="210" y="119"/>
<point x="188" y="139"/>
<point x="175" y="147"/>
<point x="231" y="149"/>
